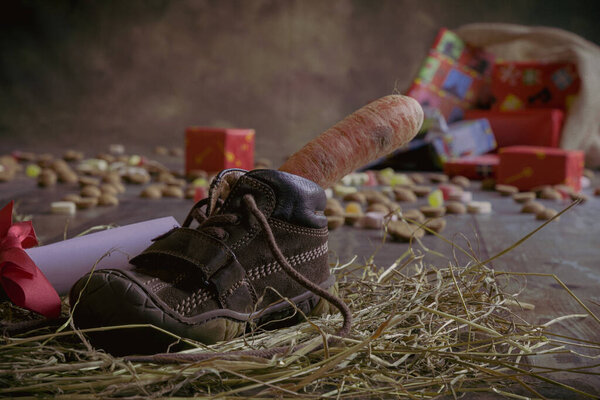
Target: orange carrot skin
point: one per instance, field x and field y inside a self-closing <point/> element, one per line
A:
<point x="371" y="132"/>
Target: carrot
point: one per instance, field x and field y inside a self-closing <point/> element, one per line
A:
<point x="373" y="131"/>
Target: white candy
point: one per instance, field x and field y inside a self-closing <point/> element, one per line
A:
<point x="585" y="182"/>
<point x="479" y="207"/>
<point x="116" y="149"/>
<point x="463" y="197"/>
<point x="63" y="207"/>
<point x="341" y="190"/>
<point x="372" y="220"/>
<point x="328" y="193"/>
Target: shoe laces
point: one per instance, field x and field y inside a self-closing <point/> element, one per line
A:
<point x="213" y="225"/>
<point x="211" y="222"/>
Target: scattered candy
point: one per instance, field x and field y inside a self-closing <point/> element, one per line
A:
<point x="356" y="197"/>
<point x="523" y="197"/>
<point x="435" y="198"/>
<point x="550" y="194"/>
<point x="116" y="148"/>
<point x="161" y="150"/>
<point x="151" y="192"/>
<point x="461" y="181"/>
<point x="449" y="189"/>
<point x="90" y="191"/>
<point x="453" y="207"/>
<point x="172" y="191"/>
<point x="585" y="182"/>
<point x="417" y="178"/>
<point x="532" y="207"/>
<point x="546" y="214"/>
<point x="438" y="178"/>
<point x="112" y="177"/>
<point x="378" y="207"/>
<point x="371" y="220"/>
<point x="63" y="207"/>
<point x="335" y="221"/>
<point x="582" y="198"/>
<point x="405" y="195"/>
<point x="107" y="188"/>
<point x="88" y="181"/>
<point x="341" y="190"/>
<point x="404" y="231"/>
<point x="72" y="197"/>
<point x="47" y="178"/>
<point x="33" y="170"/>
<point x="333" y="207"/>
<point x="433" y="212"/>
<point x="437" y="225"/>
<point x="87" y="202"/>
<point x="73" y="155"/>
<point x="479" y="207"/>
<point x="413" y="215"/>
<point x="106" y="199"/>
<point x="463" y="197"/>
<point x="421" y="191"/>
<point x="507" y="190"/>
<point x="134" y="160"/>
<point x="400" y="179"/>
<point x="353" y="207"/>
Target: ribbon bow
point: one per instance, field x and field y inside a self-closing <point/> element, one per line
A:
<point x="24" y="284"/>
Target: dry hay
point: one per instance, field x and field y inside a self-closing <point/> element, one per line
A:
<point x="419" y="332"/>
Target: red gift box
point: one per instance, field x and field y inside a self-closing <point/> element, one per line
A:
<point x="528" y="166"/>
<point x="533" y="127"/>
<point x="215" y="149"/>
<point x="473" y="167"/>
<point x="519" y="85"/>
<point x="452" y="77"/>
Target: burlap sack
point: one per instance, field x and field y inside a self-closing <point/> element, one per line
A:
<point x="523" y="43"/>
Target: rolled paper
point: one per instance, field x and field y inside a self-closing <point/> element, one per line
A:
<point x="63" y="263"/>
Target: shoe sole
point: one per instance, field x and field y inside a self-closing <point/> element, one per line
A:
<point x="131" y="327"/>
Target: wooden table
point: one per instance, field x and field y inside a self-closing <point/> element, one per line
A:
<point x="569" y="248"/>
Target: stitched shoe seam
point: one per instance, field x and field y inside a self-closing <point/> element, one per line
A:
<point x="230" y="291"/>
<point x="294" y="229"/>
<point x="270" y="268"/>
<point x="260" y="272"/>
<point x="155" y="288"/>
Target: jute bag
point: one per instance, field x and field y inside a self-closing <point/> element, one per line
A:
<point x="522" y="43"/>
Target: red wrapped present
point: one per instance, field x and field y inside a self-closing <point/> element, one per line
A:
<point x="473" y="167"/>
<point x="533" y="127"/>
<point x="528" y="166"/>
<point x="452" y="77"/>
<point x="519" y="85"/>
<point x="215" y="149"/>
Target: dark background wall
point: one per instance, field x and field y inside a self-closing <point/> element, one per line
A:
<point x="85" y="74"/>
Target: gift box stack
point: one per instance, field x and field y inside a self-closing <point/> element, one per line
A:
<point x="453" y="77"/>
<point x="215" y="149"/>
<point x="528" y="102"/>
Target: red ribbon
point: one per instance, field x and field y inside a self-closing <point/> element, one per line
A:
<point x="23" y="282"/>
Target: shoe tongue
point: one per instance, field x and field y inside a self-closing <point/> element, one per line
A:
<point x="221" y="186"/>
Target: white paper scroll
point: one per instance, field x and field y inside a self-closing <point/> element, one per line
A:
<point x="63" y="263"/>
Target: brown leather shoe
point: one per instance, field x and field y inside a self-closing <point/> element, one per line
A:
<point x="214" y="281"/>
